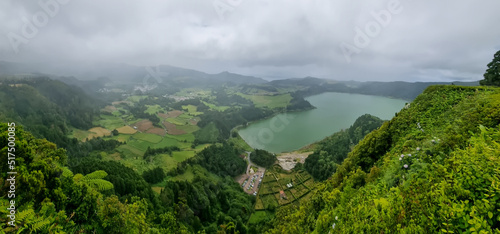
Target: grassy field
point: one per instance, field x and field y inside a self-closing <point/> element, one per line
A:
<point x="126" y="130"/>
<point x="136" y="98"/>
<point x="152" y="138"/>
<point x="180" y="156"/>
<point x="100" y="132"/>
<point x="129" y="151"/>
<point x="80" y="134"/>
<point x="142" y="145"/>
<point x="192" y="110"/>
<point x="270" y="101"/>
<point x="180" y="120"/>
<point x="109" y="122"/>
<point x="185" y="137"/>
<point x="215" y="107"/>
<point x="188" y="128"/>
<point x="260" y="215"/>
<point x="153" y="109"/>
<point x="240" y="143"/>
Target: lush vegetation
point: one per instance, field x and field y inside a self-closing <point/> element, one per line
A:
<point x="226" y="120"/>
<point x="492" y="74"/>
<point x="49" y="197"/>
<point x="154" y="176"/>
<point x="263" y="158"/>
<point x="432" y="168"/>
<point x="208" y="204"/>
<point x="221" y="160"/>
<point x="297" y="185"/>
<point x="46" y="107"/>
<point x="332" y="151"/>
<point x="106" y="197"/>
<point x="165" y="150"/>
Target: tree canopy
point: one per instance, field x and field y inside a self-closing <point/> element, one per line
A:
<point x="492" y="74"/>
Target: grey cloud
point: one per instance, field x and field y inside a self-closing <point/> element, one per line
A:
<point x="272" y="39"/>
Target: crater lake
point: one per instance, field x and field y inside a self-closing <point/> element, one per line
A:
<point x="334" y="111"/>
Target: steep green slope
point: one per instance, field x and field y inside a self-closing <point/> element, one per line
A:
<point x="331" y="151"/>
<point x="47" y="108"/>
<point x="432" y="168"/>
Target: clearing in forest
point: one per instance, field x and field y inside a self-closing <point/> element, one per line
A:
<point x="99" y="132"/>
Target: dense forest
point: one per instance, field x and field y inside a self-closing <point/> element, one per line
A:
<point x="226" y="120"/>
<point x="48" y="108"/>
<point x="331" y="151"/>
<point x="263" y="158"/>
<point x="221" y="160"/>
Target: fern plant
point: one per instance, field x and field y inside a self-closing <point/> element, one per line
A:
<point x="94" y="180"/>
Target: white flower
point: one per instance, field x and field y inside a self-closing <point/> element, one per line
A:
<point x="402" y="155"/>
<point x="333" y="226"/>
<point x="406" y="165"/>
<point x="400" y="159"/>
<point x="418" y="148"/>
<point x="336" y="218"/>
<point x="409" y="155"/>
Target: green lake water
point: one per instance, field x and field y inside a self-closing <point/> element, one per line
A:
<point x="334" y="111"/>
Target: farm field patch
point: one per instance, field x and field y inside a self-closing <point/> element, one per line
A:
<point x="126" y="130"/>
<point x="100" y="132"/>
<point x="79" y="134"/>
<point x="170" y="114"/>
<point x="153" y="109"/>
<point x="152" y="138"/>
<point x="157" y="131"/>
<point x="284" y="186"/>
<point x="172" y="129"/>
<point x="143" y="125"/>
<point x="121" y="137"/>
<point x="109" y="122"/>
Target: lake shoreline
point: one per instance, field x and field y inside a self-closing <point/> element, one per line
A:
<point x="294" y="131"/>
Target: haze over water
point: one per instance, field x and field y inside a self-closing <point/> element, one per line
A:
<point x="335" y="111"/>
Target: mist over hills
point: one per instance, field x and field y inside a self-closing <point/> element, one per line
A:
<point x="93" y="77"/>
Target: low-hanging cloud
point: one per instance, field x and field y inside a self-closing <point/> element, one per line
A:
<point x="421" y="41"/>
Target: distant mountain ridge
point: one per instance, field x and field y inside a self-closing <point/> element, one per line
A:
<point x="125" y="72"/>
<point x="172" y="78"/>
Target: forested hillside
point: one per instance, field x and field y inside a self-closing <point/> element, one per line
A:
<point x="47" y="108"/>
<point x="433" y="168"/>
<point x="95" y="196"/>
<point x="331" y="151"/>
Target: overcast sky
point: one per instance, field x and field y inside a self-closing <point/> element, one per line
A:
<point x="345" y="40"/>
